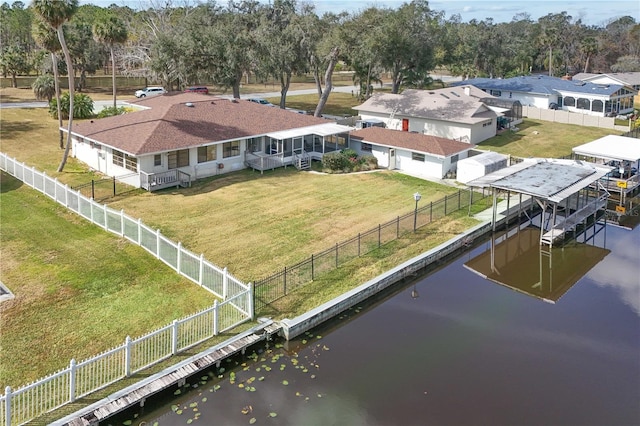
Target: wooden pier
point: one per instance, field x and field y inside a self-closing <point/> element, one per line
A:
<point x="172" y="376"/>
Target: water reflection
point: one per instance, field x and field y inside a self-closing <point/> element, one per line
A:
<point x="621" y="271"/>
<point x="522" y="264"/>
<point x="465" y="352"/>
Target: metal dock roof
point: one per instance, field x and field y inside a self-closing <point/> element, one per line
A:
<point x="549" y="179"/>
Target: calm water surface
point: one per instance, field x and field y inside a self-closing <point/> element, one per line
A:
<point x="453" y="349"/>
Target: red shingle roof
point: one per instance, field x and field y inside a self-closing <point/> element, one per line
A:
<point x="169" y="124"/>
<point x="412" y="141"/>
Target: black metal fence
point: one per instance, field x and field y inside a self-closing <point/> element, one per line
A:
<point x="633" y="133"/>
<point x="280" y="284"/>
<point x="98" y="189"/>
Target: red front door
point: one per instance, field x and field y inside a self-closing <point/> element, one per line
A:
<point x="405" y="124"/>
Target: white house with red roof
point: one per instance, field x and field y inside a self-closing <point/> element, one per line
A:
<point x="413" y="153"/>
<point x="178" y="138"/>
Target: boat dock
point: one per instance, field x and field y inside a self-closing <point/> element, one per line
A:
<point x="175" y="375"/>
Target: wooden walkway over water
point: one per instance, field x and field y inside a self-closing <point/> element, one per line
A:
<point x="173" y="376"/>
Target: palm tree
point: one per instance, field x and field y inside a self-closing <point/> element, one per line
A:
<point x="589" y="47"/>
<point x="44" y="87"/>
<point x="48" y="39"/>
<point x="56" y="13"/>
<point x="109" y="29"/>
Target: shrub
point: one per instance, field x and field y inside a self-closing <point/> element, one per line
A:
<point x="334" y="161"/>
<point x="347" y="161"/>
<point x="82" y="106"/>
<point x="111" y="111"/>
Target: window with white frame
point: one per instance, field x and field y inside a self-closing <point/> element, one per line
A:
<point x="178" y="158"/>
<point x="231" y="149"/>
<point x="366" y="147"/>
<point x="207" y="153"/>
<point x="125" y="160"/>
<point x="495" y="92"/>
<point x="157" y="160"/>
<point x="416" y="156"/>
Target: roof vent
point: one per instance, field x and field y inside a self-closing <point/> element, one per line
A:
<point x="580" y="83"/>
<point x="189" y="104"/>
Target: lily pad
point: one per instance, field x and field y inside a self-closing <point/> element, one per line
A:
<point x="272" y="414"/>
<point x="177" y="392"/>
<point x="284" y="382"/>
<point x="252" y="420"/>
<point x="127" y="422"/>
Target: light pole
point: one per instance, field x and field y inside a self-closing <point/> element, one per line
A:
<point x="416" y="197"/>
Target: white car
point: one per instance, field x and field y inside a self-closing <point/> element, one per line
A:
<point x="261" y="101"/>
<point x="150" y="91"/>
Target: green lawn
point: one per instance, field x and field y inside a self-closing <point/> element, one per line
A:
<point x="73" y="279"/>
<point x="535" y="138"/>
<point x="79" y="290"/>
<point x="339" y="104"/>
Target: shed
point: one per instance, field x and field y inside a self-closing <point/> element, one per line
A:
<point x="479" y="165"/>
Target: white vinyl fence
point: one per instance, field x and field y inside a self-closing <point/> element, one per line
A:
<point x="82" y="378"/>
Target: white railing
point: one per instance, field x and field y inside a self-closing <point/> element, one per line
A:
<point x="80" y="379"/>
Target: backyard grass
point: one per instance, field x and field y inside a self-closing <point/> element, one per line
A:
<point x="253" y="224"/>
<point x="78" y="289"/>
<point x="339" y="104"/>
<point x="535" y="138"/>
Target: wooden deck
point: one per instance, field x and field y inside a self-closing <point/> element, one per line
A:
<point x="139" y="392"/>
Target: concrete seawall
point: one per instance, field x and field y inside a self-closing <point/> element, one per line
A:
<point x="288" y="328"/>
<point x="292" y="328"/>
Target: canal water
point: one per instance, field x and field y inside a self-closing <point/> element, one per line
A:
<point x="542" y="340"/>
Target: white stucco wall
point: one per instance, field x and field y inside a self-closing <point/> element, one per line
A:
<point x="469" y="133"/>
<point x="535" y="100"/>
<point x="430" y="167"/>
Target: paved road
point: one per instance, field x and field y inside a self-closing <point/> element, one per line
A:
<point x="98" y="105"/>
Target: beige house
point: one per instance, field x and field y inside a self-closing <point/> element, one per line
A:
<point x="455" y="113"/>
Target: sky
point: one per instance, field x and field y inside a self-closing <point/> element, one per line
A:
<point x="592" y="12"/>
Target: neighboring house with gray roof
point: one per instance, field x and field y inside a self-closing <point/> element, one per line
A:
<point x="177" y="138"/>
<point x="413" y="153"/>
<point x="630" y="79"/>
<point x="451" y="113"/>
<point x="542" y="91"/>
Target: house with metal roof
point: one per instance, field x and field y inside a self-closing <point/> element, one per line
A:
<point x="178" y="138"/>
<point x="450" y="113"/>
<point x="546" y="92"/>
<point x="413" y="153"/>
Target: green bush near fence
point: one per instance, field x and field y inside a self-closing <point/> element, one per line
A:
<point x="348" y="161"/>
